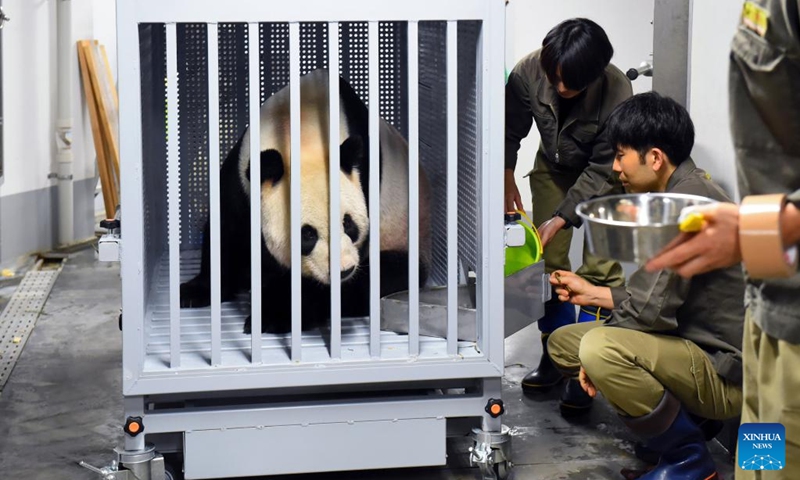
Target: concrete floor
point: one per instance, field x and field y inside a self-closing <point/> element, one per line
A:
<point x="63" y="401"/>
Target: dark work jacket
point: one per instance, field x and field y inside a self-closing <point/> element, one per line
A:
<point x="764" y="97"/>
<point x="707" y="309"/>
<point x="581" y="145"/>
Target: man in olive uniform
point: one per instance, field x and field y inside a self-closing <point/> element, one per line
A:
<point x="672" y="347"/>
<point x="762" y="233"/>
<point x="568" y="87"/>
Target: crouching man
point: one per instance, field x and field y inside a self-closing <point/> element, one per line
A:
<point x="671" y="349"/>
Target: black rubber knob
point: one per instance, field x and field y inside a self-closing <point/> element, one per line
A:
<point x="632" y="73"/>
<point x="512" y="217"/>
<point x="109" y="223"/>
<point x="495" y="407"/>
<point x="133" y="426"/>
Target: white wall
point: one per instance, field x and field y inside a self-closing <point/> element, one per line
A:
<point x="713" y="26"/>
<point x="29" y="89"/>
<point x="628" y="24"/>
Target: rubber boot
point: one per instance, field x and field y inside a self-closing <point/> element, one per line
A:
<point x="593" y="314"/>
<point x="670" y="431"/>
<point x="544" y="376"/>
<point x="710" y="428"/>
<point x="575" y="402"/>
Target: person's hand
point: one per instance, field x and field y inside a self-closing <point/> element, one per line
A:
<point x="513" y="199"/>
<point x="572" y="288"/>
<point x="548" y="229"/>
<point x="586" y="383"/>
<point x="715" y="246"/>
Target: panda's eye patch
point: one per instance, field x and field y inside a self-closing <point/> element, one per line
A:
<point x="308" y="239"/>
<point x="350" y="228"/>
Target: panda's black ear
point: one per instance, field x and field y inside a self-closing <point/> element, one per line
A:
<point x="351" y="153"/>
<point x="271" y="166"/>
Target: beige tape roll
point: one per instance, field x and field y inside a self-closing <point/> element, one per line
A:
<point x="760" y="237"/>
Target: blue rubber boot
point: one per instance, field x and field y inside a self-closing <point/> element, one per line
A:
<point x="593" y="314"/>
<point x="545" y="376"/>
<point x="681" y="444"/>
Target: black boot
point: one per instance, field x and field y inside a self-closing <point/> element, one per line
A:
<point x="545" y="375"/>
<point x="574" y="400"/>
<point x="670" y="431"/>
<point x="710" y="428"/>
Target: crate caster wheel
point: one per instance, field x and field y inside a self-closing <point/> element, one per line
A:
<point x="502" y="470"/>
<point x="173" y="467"/>
<point x="492" y="453"/>
<point x="169" y="473"/>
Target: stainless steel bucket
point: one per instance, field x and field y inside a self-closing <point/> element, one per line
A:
<point x="634" y="227"/>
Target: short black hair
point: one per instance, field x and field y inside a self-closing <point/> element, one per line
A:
<point x="650" y="120"/>
<point x="581" y="48"/>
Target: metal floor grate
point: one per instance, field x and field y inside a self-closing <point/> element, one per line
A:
<point x="20" y="316"/>
<point x="196" y="334"/>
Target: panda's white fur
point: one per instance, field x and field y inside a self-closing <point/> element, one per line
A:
<point x="275" y="153"/>
<point x="314" y="190"/>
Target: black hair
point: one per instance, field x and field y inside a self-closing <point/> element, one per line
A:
<point x="650" y="120"/>
<point x="582" y="50"/>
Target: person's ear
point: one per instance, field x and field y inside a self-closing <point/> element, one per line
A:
<point x="659" y="158"/>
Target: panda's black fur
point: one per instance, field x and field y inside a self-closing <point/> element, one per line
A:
<point x="276" y="292"/>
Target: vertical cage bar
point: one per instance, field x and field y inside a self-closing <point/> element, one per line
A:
<point x="374" y="192"/>
<point x="452" y="187"/>
<point x="131" y="148"/>
<point x="491" y="84"/>
<point x="174" y="205"/>
<point x="413" y="188"/>
<point x="213" y="192"/>
<point x="254" y="82"/>
<point x="294" y="155"/>
<point x="334" y="223"/>
<point x="481" y="114"/>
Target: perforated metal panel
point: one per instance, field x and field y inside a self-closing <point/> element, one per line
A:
<point x="232" y="84"/>
<point x="468" y="144"/>
<point x="393" y="41"/>
<point x="433" y="135"/>
<point x="154" y="147"/>
<point x="274" y="75"/>
<point x="433" y="139"/>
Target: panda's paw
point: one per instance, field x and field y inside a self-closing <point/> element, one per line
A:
<point x="247" y="329"/>
<point x="195" y="295"/>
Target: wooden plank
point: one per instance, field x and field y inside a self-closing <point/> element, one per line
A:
<point x="110" y="101"/>
<point x="110" y="75"/>
<point x="107" y="120"/>
<point x="99" y="145"/>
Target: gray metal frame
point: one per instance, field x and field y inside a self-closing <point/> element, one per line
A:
<point x="672" y="29"/>
<point x="219" y="397"/>
<point x="2" y="114"/>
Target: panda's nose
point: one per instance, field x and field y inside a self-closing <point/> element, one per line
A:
<point x="347" y="273"/>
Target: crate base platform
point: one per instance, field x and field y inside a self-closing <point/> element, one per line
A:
<point x="276" y="348"/>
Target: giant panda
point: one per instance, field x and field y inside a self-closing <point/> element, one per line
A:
<point x="275" y="157"/>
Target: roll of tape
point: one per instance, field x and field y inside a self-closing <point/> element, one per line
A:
<point x="760" y="238"/>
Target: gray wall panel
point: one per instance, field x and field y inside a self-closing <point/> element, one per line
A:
<point x="29" y="220"/>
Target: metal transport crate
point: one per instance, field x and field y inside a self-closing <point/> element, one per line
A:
<point x="217" y="402"/>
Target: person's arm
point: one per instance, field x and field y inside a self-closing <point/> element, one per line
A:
<point x="717" y="243"/>
<point x="652" y="301"/>
<point x="649" y="302"/>
<point x="596" y="180"/>
<point x="519" y="120"/>
<point x="579" y="291"/>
